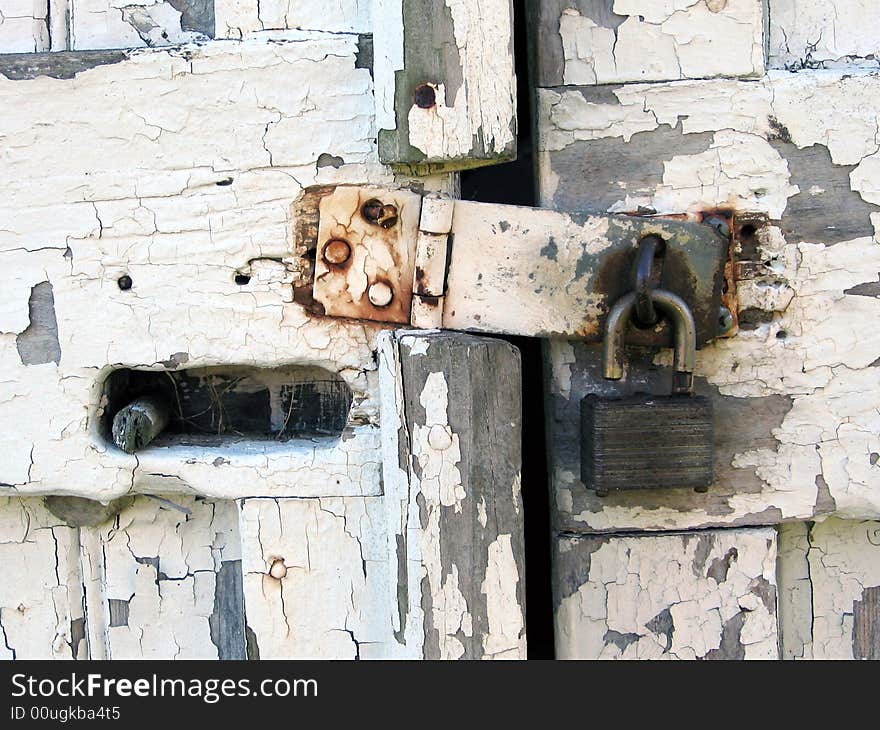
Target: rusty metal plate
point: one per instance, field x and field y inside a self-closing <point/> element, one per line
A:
<point x="366" y="253"/>
<point x="528" y="271"/>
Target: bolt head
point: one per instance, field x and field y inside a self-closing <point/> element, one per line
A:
<point x="278" y="569"/>
<point x="439" y="438"/>
<point x="388" y="217"/>
<point x="336" y="251"/>
<point x="380" y="214"/>
<point x="380" y="294"/>
<point x="124" y="282"/>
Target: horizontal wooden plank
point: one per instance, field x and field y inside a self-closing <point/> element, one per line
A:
<point x="707" y="595"/>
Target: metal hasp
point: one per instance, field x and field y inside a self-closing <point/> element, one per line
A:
<point x="482" y="267"/>
<point x="646" y="441"/>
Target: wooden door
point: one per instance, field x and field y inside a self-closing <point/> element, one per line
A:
<point x="304" y="500"/>
<point x="766" y="113"/>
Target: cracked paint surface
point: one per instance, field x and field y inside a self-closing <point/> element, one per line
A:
<point x="181" y="196"/>
<point x="445" y="98"/>
<point x="707" y="595"/>
<point x="159" y="562"/>
<point x="239" y="18"/>
<point x="482" y="102"/>
<point x="24" y="26"/>
<point x="149" y="582"/>
<point x="97" y="24"/>
<point x="329" y="604"/>
<point x="832" y="569"/>
<point x="810" y="34"/>
<point x="645" y="40"/>
<point x="813" y="286"/>
<point x="41" y="596"/>
<point x="181" y="170"/>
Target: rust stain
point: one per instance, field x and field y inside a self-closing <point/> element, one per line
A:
<point x="379" y="213"/>
<point x="420" y="288"/>
<point x="743" y="261"/>
<point x="366" y="249"/>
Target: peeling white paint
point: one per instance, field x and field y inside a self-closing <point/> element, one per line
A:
<point x="137" y="193"/>
<point x="815" y="348"/>
<point x="179" y="171"/>
<point x="41" y="595"/>
<point x="156" y="559"/>
<point x="643" y="590"/>
<point x="24" y="26"/>
<point x="330" y="603"/>
<point x="822" y="33"/>
<point x="483" y="104"/>
<point x="440" y="477"/>
<point x="506" y="638"/>
<point x="831" y="565"/>
<point x="664" y="41"/>
<point x="238" y="19"/>
<point x="99" y="24"/>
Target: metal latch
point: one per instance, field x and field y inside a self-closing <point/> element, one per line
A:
<point x="431" y="262"/>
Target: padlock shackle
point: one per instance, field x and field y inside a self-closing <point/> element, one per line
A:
<point x="676" y="308"/>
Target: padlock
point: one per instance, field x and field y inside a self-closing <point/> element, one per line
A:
<point x="648" y="441"/>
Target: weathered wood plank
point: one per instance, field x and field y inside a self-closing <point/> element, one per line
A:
<point x="610" y="41"/>
<point x="459" y="454"/>
<point x="829" y="574"/>
<point x="166" y="581"/>
<point x="446" y="88"/>
<point x="822" y="33"/>
<point x="314" y="576"/>
<point x="707" y="595"/>
<point x="41" y="594"/>
<point x="190" y="199"/>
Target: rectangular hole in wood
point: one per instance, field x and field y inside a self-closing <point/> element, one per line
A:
<point x="214" y="405"/>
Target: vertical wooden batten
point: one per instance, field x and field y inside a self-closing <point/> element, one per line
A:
<point x="445" y="84"/>
<point x="452" y="452"/>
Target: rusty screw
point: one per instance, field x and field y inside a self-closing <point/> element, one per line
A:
<point x="425" y="97"/>
<point x="336" y="251"/>
<point x="384" y="216"/>
<point x="380" y="294"/>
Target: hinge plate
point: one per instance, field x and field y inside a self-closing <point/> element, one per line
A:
<point x="366" y="253"/>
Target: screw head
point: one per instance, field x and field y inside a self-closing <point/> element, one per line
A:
<point x="278" y="569"/>
<point x="725" y="321"/>
<point x="425" y="97"/>
<point x="380" y="294"/>
<point x="124" y="282"/>
<point x="336" y="251"/>
<point x="380" y="214"/>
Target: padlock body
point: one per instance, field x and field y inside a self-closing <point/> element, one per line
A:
<point x="646" y="442"/>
